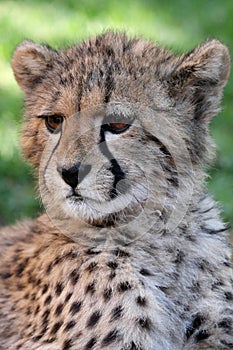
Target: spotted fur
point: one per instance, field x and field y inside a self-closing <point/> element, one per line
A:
<point x="129" y="278"/>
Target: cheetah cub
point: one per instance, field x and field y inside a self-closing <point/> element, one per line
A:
<point x="130" y="253"/>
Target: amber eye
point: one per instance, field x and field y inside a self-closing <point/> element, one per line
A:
<point x="54" y="122"/>
<point x="116" y="128"/>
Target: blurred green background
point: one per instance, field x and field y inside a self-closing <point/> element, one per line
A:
<point x="179" y="25"/>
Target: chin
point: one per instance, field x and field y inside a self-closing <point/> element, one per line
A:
<point x="80" y="210"/>
<point x="120" y="210"/>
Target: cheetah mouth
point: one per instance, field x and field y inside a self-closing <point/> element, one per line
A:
<point x="75" y="197"/>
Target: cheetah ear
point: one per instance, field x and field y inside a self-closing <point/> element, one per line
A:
<point x="30" y="63"/>
<point x="201" y="76"/>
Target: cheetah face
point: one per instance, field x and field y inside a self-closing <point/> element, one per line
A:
<point x="118" y="128"/>
<point x="95" y="166"/>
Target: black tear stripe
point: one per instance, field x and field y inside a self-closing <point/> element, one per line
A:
<point x="170" y="166"/>
<point x="115" y="168"/>
<point x="118" y="175"/>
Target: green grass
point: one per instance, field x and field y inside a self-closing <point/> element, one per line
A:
<point x="179" y="25"/>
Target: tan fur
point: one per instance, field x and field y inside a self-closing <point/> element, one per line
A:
<point x="131" y="253"/>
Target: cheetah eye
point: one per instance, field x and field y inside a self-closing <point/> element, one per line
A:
<point x="54" y="122"/>
<point x="116" y="128"/>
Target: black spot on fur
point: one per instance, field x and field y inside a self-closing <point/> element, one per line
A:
<point x="217" y="284"/>
<point x="56" y="327"/>
<point x="107" y="294"/>
<point x="124" y="286"/>
<point x="228" y="296"/>
<point x="116" y="313"/>
<point x="45" y="315"/>
<point x="145" y="272"/>
<point x="6" y="275"/>
<point x="74" y="277"/>
<point x="121" y="253"/>
<point x="37" y="338"/>
<point x="141" y="301"/>
<point x="29" y="311"/>
<point x="69" y="325"/>
<point x="59" y="288"/>
<point x="49" y="341"/>
<point x="58" y="260"/>
<point x="94" y="318"/>
<point x="59" y="309"/>
<point x="49" y="268"/>
<point x="204" y="265"/>
<point x="112" y="275"/>
<point x="142" y="283"/>
<point x="226" y="323"/>
<point x="33" y="297"/>
<point x="26" y="296"/>
<point x="31" y="278"/>
<point x="173" y="180"/>
<point x="227" y="263"/>
<point x="37" y="310"/>
<point x="92" y="267"/>
<point x="20" y="268"/>
<point x="110" y="337"/>
<point x="145" y="323"/>
<point x="195" y="324"/>
<point x="45" y="289"/>
<point x="195" y="287"/>
<point x="91" y="288"/>
<point x="75" y="307"/>
<point x="179" y="257"/>
<point x="202" y="335"/>
<point x="48" y="300"/>
<point x="19" y="286"/>
<point x="38" y="282"/>
<point x="67" y="344"/>
<point x="69" y="295"/>
<point x="112" y="264"/>
<point x="44" y="329"/>
<point x="133" y="346"/>
<point x="91" y="251"/>
<point x="91" y="343"/>
<point x="229" y="345"/>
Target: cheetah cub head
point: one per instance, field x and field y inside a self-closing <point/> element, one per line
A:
<point x="116" y="127"/>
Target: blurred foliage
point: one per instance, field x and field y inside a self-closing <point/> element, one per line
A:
<point x="179" y="25"/>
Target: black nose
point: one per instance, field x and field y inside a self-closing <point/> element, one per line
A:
<point x="74" y="175"/>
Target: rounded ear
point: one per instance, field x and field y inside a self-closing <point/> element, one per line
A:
<point x="30" y="63"/>
<point x="202" y="74"/>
